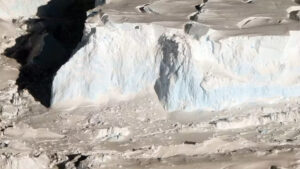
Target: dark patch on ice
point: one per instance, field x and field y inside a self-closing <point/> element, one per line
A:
<point x="58" y="30"/>
<point x="190" y="142"/>
<point x="273" y="167"/>
<point x="146" y="9"/>
<point x="187" y="28"/>
<point x="71" y="158"/>
<point x="198" y="7"/>
<point x="168" y="68"/>
<point x="295" y="15"/>
<point x="142" y="8"/>
<point x="247" y="1"/>
<point x="194" y="17"/>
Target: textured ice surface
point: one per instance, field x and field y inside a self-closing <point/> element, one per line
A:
<point x="131" y="47"/>
<point x="19" y="8"/>
<point x="186" y="73"/>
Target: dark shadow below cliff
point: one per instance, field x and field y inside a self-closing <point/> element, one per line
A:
<point x="48" y="45"/>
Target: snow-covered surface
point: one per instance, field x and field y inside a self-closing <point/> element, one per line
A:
<point x="14" y="9"/>
<point x="189" y="69"/>
<point x="137" y="132"/>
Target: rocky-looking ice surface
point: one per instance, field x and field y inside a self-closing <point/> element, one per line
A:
<point x="189" y="65"/>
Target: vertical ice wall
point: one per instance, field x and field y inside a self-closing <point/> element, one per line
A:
<point x="186" y="73"/>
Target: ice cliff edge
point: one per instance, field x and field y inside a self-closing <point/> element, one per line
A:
<point x="187" y="72"/>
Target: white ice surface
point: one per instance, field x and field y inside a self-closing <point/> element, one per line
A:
<point x="186" y="73"/>
<point x="12" y="9"/>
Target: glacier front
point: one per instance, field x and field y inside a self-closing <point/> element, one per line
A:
<point x="188" y="69"/>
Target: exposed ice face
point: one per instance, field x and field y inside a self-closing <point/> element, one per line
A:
<point x="186" y="73"/>
<point x="113" y="69"/>
<point x="20" y="8"/>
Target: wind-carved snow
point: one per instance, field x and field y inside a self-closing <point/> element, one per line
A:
<point x="13" y="9"/>
<point x="187" y="74"/>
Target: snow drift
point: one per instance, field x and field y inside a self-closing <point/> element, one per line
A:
<point x="186" y="73"/>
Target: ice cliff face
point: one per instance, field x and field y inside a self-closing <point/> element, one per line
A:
<point x="187" y="69"/>
<point x="186" y="73"/>
<point x="19" y="8"/>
